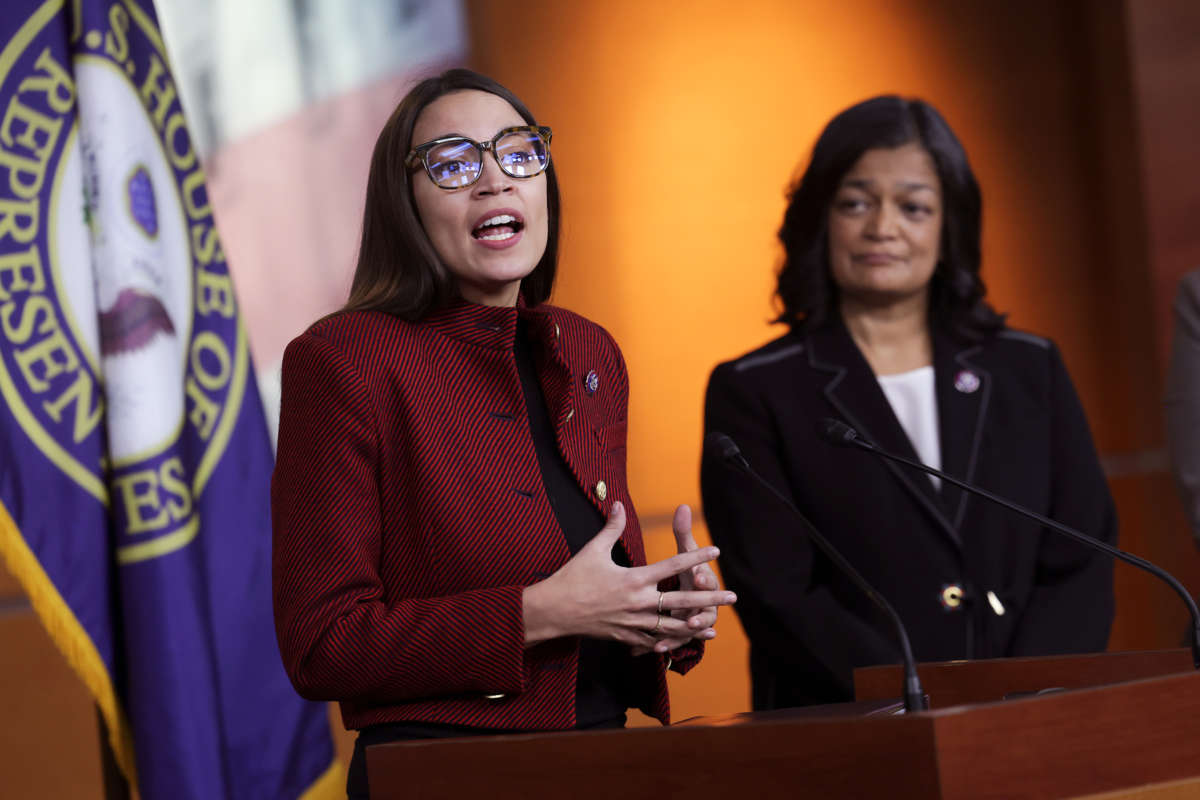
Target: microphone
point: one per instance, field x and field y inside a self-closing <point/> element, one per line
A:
<point x="727" y="450"/>
<point x="839" y="433"/>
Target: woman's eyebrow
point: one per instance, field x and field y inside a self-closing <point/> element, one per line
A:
<point x="867" y="184"/>
<point x="858" y="183"/>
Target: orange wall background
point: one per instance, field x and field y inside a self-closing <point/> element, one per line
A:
<point x="1080" y="119"/>
<point x="678" y="127"/>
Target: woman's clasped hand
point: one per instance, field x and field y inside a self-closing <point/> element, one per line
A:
<point x="593" y="596"/>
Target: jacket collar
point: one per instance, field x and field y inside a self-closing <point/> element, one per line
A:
<point x="493" y="327"/>
<point x="853" y="390"/>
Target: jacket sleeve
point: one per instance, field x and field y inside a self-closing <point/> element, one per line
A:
<point x="340" y="637"/>
<point x="1183" y="398"/>
<point x="787" y="612"/>
<point x="1071" y="606"/>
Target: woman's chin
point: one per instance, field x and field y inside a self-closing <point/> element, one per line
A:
<point x="498" y="274"/>
<point x="883" y="295"/>
<point x="495" y="292"/>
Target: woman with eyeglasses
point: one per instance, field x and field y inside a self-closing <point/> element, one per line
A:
<point x="889" y="332"/>
<point x="455" y="549"/>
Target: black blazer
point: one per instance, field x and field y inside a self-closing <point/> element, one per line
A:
<point x="1009" y="421"/>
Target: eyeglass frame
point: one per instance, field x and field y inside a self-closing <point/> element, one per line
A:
<point x="419" y="155"/>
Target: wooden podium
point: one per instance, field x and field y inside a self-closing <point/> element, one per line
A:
<point x="1108" y="722"/>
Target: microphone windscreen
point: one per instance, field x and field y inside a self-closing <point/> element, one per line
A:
<point x="721" y="446"/>
<point x="837" y="432"/>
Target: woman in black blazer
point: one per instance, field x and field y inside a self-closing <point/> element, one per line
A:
<point x="889" y="331"/>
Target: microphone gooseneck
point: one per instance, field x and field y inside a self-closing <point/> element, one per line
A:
<point x="839" y="433"/>
<point x="722" y="446"/>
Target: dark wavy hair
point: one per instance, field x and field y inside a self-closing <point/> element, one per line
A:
<point x="398" y="269"/>
<point x="806" y="288"/>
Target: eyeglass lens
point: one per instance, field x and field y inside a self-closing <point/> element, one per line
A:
<point x="521" y="154"/>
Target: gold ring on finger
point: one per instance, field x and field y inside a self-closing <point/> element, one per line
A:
<point x="657" y="625"/>
<point x="660" y="599"/>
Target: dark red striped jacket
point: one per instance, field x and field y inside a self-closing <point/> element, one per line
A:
<point x="409" y="514"/>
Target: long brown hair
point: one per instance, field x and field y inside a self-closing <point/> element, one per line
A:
<point x="398" y="269"/>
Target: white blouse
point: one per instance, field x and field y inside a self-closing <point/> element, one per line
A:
<point x="914" y="402"/>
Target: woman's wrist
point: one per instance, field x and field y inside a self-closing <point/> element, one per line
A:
<point x="537" y="611"/>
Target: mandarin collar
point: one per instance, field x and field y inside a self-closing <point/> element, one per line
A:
<point x="486" y="326"/>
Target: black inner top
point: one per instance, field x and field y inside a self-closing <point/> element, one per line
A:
<point x="601" y="696"/>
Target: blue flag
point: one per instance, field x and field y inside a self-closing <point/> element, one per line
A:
<point x="134" y="456"/>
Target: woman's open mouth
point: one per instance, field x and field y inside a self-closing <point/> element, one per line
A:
<point x="498" y="228"/>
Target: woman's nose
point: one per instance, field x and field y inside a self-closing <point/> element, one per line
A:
<point x="492" y="179"/>
<point x="882" y="223"/>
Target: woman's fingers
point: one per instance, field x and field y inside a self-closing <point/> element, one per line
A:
<point x="697" y="600"/>
<point x="639" y="614"/>
<point x="665" y="644"/>
<point x="703" y="577"/>
<point x="675" y="642"/>
<point x="681" y="525"/>
<point x="664" y="626"/>
<point x="639" y="640"/>
<point x="669" y="567"/>
<point x="611" y="532"/>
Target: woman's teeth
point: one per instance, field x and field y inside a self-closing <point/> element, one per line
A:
<point x="497" y="228"/>
<point x="497" y="237"/>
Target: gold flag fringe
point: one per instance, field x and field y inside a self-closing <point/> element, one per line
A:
<point x="71" y="639"/>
